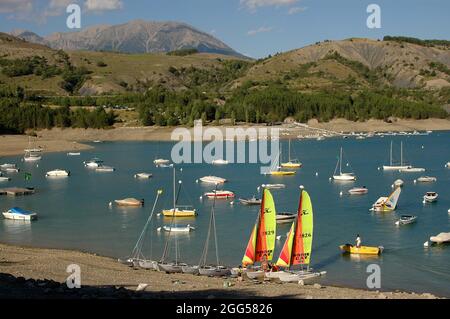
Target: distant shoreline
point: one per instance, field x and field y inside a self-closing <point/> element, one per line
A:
<point x="102" y="272"/>
<point x="67" y="140"/>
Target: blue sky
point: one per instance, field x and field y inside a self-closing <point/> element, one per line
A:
<point x="253" y="27"/>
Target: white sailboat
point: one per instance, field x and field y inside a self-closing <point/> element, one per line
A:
<point x="395" y="167"/>
<point x="32" y="154"/>
<point x="342" y="176"/>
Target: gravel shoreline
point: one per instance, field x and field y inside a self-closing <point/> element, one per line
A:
<point x="41" y="273"/>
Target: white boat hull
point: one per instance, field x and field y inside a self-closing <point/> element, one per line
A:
<point x="12" y="216"/>
<point x="344" y="178"/>
<point x="395" y="168"/>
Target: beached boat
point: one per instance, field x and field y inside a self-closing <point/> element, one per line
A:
<point x="171" y="267"/>
<point x="213" y="180"/>
<point x="430" y="197"/>
<point x="261" y="245"/>
<point x="412" y="170"/>
<point x="284" y="218"/>
<point x="129" y="202"/>
<point x="176" y="210"/>
<point x="297" y="249"/>
<point x="358" y="191"/>
<point x="58" y="173"/>
<point x="143" y="175"/>
<point x="250" y="201"/>
<point x="441" y="238"/>
<point x="426" y="179"/>
<point x="220" y="162"/>
<point x="105" y="169"/>
<point x="363" y="250"/>
<point x="387" y="204"/>
<point x="406" y="220"/>
<point x="191" y="270"/>
<point x="396" y="166"/>
<point x="93" y="163"/>
<point x="291" y="163"/>
<point x="19" y="214"/>
<point x="220" y="194"/>
<point x="344" y="177"/>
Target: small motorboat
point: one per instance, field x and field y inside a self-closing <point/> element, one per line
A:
<point x="4" y="178"/>
<point x="220" y="162"/>
<point x="73" y="154"/>
<point x="273" y="186"/>
<point x="214" y="271"/>
<point x="93" y="163"/>
<point x="143" y="175"/>
<point x="129" y="202"/>
<point x="426" y="179"/>
<point x="179" y="212"/>
<point x="441" y="238"/>
<point x="430" y="197"/>
<point x="19" y="214"/>
<point x="399" y="183"/>
<point x="358" y="191"/>
<point x="283" y="218"/>
<point x="250" y="201"/>
<point x="412" y="170"/>
<point x="11" y="170"/>
<point x="161" y="161"/>
<point x="406" y="220"/>
<point x="220" y="194"/>
<point x="213" y="180"/>
<point x="177" y="229"/>
<point x="58" y="173"/>
<point x="363" y="250"/>
<point x="105" y="169"/>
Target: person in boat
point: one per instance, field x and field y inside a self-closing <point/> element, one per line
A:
<point x="358" y="241"/>
<point x="240" y="271"/>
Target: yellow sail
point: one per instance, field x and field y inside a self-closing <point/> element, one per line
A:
<point x="262" y="240"/>
<point x="286" y="253"/>
<point x="302" y="247"/>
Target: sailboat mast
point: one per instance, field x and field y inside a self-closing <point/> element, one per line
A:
<point x="401" y="154"/>
<point x="340" y="163"/>
<point x="174" y="190"/>
<point x="392" y="144"/>
<point x="289" y="150"/>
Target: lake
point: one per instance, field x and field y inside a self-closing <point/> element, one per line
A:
<point x="74" y="212"/>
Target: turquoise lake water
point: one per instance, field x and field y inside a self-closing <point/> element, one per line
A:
<point x="74" y="213"/>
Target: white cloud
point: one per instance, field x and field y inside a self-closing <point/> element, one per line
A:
<point x="56" y="7"/>
<point x="254" y="4"/>
<point x="103" y="5"/>
<point x="16" y="6"/>
<point x="295" y="10"/>
<point x="259" y="30"/>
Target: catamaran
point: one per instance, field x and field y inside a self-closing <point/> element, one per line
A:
<point x="292" y="163"/>
<point x="342" y="176"/>
<point x="178" y="211"/>
<point x="298" y="246"/>
<point x="261" y="245"/>
<point x="387" y="204"/>
<point x="392" y="166"/>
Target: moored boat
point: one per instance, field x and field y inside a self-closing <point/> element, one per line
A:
<point x="412" y="170"/>
<point x="73" y="154"/>
<point x="406" y="220"/>
<point x="283" y="218"/>
<point x="399" y="183"/>
<point x="143" y="175"/>
<point x="19" y="214"/>
<point x="176" y="210"/>
<point x="129" y="202"/>
<point x="93" y="163"/>
<point x="273" y="186"/>
<point x="4" y="178"/>
<point x="58" y="173"/>
<point x="11" y="170"/>
<point x="441" y="238"/>
<point x="342" y="176"/>
<point x="250" y="201"/>
<point x="161" y="161"/>
<point x="387" y="204"/>
<point x="213" y="180"/>
<point x="426" y="179"/>
<point x="7" y="165"/>
<point x="105" y="169"/>
<point x="220" y="194"/>
<point x="430" y="197"/>
<point x="178" y="229"/>
<point x="220" y="162"/>
<point x="291" y="163"/>
<point x="358" y="191"/>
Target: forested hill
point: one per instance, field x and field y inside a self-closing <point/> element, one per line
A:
<point x="356" y="79"/>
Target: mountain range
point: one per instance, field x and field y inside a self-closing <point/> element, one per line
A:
<point x="137" y="36"/>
